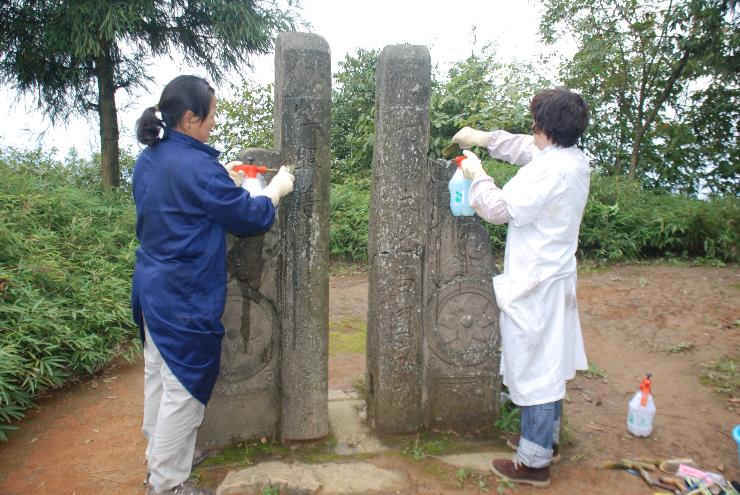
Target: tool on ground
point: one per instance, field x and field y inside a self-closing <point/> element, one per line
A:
<point x="459" y="188"/>
<point x="709" y="477"/>
<point x="670" y="466"/>
<point x="641" y="410"/>
<point x="656" y="483"/>
<point x="254" y="181"/>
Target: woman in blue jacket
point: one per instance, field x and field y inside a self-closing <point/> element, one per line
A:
<point x="185" y="202"/>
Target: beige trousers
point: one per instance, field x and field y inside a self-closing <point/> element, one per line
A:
<point x="171" y="420"/>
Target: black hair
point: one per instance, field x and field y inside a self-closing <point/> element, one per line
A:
<point x="559" y="114"/>
<point x="181" y="94"/>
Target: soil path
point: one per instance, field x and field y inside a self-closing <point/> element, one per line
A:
<point x="670" y="321"/>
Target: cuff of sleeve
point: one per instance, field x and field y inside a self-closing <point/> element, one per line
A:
<point x="481" y="178"/>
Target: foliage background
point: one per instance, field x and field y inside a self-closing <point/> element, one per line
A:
<point x="66" y="258"/>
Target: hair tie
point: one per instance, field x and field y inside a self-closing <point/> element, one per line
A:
<point x="158" y="113"/>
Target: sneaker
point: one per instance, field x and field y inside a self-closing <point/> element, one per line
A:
<point x="186" y="488"/>
<point x="513" y="443"/>
<point x="519" y="473"/>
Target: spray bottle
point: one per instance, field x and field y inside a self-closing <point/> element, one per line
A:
<point x="459" y="188"/>
<point x="642" y="410"/>
<point x="254" y="181"/>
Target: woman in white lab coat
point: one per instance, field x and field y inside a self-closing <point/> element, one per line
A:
<point x="543" y="205"/>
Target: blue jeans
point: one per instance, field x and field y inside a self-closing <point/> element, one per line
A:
<point x="540" y="429"/>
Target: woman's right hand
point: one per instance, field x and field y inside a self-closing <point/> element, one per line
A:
<point x="467" y="137"/>
<point x="279" y="186"/>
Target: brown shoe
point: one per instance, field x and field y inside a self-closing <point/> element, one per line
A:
<point x="513" y="443"/>
<point x="519" y="473"/>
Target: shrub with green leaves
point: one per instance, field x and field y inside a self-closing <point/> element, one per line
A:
<point x="622" y="221"/>
<point x="66" y="256"/>
<point x="348" y="218"/>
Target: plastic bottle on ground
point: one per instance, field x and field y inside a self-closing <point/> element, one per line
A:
<point x="642" y="410"/>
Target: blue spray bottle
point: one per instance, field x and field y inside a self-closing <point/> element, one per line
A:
<point x="459" y="187"/>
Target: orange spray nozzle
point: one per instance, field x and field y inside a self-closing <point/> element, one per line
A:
<point x="458" y="160"/>
<point x="645" y="389"/>
<point x="251" y="171"/>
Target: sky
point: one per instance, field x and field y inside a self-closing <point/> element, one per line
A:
<point x="451" y="31"/>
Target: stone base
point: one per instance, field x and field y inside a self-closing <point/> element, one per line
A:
<point x="307" y="479"/>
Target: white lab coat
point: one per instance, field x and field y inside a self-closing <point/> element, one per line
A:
<point x="540" y="329"/>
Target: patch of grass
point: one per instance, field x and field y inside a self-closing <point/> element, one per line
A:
<point x="567" y="437"/>
<point x="503" y="484"/>
<point x="347" y="342"/>
<point x="723" y="376"/>
<point x="246" y="453"/>
<point x="461" y="474"/>
<point x="594" y="371"/>
<point x="594" y="266"/>
<point x="339" y="266"/>
<point x="578" y="458"/>
<point x="352" y="323"/>
<point x="359" y="383"/>
<point x="509" y="419"/>
<point x="423" y="447"/>
<point x="682" y="346"/>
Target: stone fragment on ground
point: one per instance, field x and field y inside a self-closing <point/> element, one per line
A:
<point x="351" y="434"/>
<point x="307" y="479"/>
<point x="479" y="462"/>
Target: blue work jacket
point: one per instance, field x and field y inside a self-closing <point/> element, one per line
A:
<point x="185" y="203"/>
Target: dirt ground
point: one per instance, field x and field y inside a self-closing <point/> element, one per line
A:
<point x="669" y="321"/>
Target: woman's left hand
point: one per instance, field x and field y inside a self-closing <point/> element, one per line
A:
<point x="237" y="177"/>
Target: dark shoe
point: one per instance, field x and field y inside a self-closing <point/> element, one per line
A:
<point x="519" y="473"/>
<point x="513" y="443"/>
<point x="186" y="488"/>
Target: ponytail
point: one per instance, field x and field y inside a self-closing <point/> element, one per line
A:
<point x="149" y="128"/>
<point x="181" y="94"/>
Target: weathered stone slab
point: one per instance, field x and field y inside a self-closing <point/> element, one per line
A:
<point x="290" y="479"/>
<point x="348" y="478"/>
<point x="462" y="336"/>
<point x="274" y="366"/>
<point x="245" y="402"/>
<point x="433" y="334"/>
<point x="479" y="462"/>
<point x="302" y="130"/>
<point x="397" y="239"/>
<point x="348" y="429"/>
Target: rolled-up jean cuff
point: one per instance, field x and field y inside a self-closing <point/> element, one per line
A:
<point x="533" y="455"/>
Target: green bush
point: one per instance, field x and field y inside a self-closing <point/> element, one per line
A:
<point x="66" y="255"/>
<point x="623" y="222"/>
<point x="348" y="218"/>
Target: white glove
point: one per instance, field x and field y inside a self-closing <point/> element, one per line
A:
<point x="468" y="137"/>
<point x="471" y="166"/>
<point x="279" y="186"/>
<point x="237" y="177"/>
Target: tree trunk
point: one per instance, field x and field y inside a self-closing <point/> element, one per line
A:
<point x="643" y="126"/>
<point x="635" y="153"/>
<point x="109" y="157"/>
